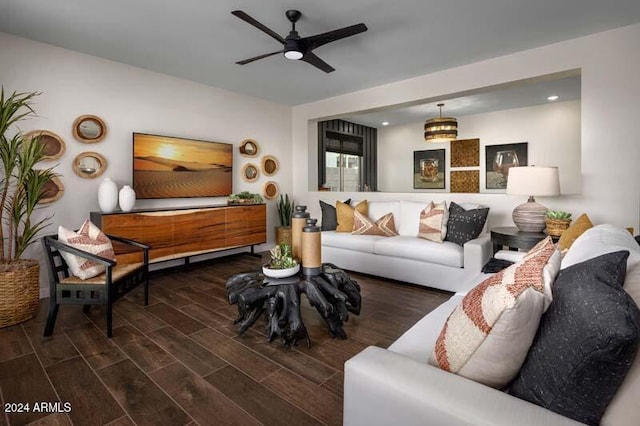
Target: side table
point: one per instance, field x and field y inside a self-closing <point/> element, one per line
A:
<point x="515" y="239"/>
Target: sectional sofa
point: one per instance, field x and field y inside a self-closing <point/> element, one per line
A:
<point x="447" y="266"/>
<point x="398" y="386"/>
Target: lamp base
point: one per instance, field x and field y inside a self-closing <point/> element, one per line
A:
<point x="530" y="216"/>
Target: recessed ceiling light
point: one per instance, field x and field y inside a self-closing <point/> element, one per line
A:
<point x="385" y="123"/>
<point x="552" y="97"/>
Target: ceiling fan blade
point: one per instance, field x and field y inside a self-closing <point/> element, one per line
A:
<point x="321" y="39"/>
<point x="255" y="58"/>
<point x="248" y="19"/>
<point x="312" y="59"/>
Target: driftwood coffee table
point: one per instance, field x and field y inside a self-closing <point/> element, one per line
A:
<point x="332" y="293"/>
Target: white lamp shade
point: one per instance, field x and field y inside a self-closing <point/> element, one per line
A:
<point x="533" y="180"/>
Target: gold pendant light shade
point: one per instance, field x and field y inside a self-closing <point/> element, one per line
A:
<point x="441" y="128"/>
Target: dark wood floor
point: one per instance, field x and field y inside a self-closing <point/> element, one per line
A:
<point x="179" y="361"/>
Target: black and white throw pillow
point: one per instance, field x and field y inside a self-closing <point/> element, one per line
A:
<point x="586" y="342"/>
<point x="465" y="225"/>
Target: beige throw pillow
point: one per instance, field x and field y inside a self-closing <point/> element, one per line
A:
<point x="345" y="214"/>
<point x="363" y="225"/>
<point x="487" y="337"/>
<point x="91" y="239"/>
<point x="432" y="222"/>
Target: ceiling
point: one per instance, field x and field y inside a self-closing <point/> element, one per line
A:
<point x="508" y="96"/>
<point x="200" y="40"/>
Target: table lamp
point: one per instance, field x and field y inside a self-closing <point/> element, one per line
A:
<point x="532" y="181"/>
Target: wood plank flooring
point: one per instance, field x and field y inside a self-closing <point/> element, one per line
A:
<point x="179" y="360"/>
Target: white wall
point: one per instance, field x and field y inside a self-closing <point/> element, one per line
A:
<point x="551" y="130"/>
<point x="130" y="100"/>
<point x="610" y="109"/>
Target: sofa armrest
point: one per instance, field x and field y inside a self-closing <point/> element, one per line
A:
<point x="476" y="253"/>
<point x="382" y="387"/>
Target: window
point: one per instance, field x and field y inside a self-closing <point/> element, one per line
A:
<point x="346" y="160"/>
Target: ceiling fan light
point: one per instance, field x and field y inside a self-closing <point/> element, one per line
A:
<point x="293" y="54"/>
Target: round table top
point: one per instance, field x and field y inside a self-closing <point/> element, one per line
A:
<point x="514" y="231"/>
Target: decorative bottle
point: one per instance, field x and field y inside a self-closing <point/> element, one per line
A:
<point x="311" y="249"/>
<point x="127" y="198"/>
<point x="107" y="195"/>
<point x="297" y="223"/>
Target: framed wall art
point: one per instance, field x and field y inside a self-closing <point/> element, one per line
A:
<point x="465" y="153"/>
<point x="499" y="159"/>
<point x="429" y="169"/>
<point x="465" y="181"/>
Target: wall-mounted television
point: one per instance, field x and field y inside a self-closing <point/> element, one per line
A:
<point x="169" y="167"/>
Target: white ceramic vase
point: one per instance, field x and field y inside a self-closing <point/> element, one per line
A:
<point x="127" y="198"/>
<point x="107" y="195"/>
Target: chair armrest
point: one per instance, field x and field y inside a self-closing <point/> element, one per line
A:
<point x="476" y="253"/>
<point x="67" y="248"/>
<point x="128" y="241"/>
<point x="382" y="387"/>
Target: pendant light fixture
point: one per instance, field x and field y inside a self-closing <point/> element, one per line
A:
<point x="440" y="129"/>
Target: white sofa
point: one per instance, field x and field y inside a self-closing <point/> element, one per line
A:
<point x="397" y="386"/>
<point x="406" y="257"/>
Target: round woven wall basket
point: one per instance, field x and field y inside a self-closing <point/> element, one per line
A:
<point x="555" y="227"/>
<point x="19" y="291"/>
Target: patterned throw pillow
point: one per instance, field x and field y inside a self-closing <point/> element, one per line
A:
<point x="384" y="226"/>
<point x="91" y="239"/>
<point x="572" y="233"/>
<point x="432" y="222"/>
<point x="345" y="214"/>
<point x="465" y="225"/>
<point x="487" y="337"/>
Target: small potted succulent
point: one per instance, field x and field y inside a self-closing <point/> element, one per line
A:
<point x="282" y="263"/>
<point x="557" y="221"/>
<point x="245" y="197"/>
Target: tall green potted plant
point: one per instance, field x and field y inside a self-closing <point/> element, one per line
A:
<point x="21" y="189"/>
<point x="285" y="210"/>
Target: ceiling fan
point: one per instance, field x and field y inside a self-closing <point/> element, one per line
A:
<point x="296" y="47"/>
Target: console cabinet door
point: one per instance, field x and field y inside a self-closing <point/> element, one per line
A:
<point x="246" y="225"/>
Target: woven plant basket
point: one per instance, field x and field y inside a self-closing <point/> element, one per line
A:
<point x="283" y="235"/>
<point x="555" y="227"/>
<point x="19" y="291"/>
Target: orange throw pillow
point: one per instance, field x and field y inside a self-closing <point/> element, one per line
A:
<point x="572" y="233"/>
<point x="345" y="214"/>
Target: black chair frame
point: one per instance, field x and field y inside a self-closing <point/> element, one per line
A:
<point x="89" y="294"/>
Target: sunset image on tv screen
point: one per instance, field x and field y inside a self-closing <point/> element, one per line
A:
<point x="167" y="167"/>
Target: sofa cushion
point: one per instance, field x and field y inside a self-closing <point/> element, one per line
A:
<point x="576" y="229"/>
<point x="599" y="240"/>
<point x="586" y="342"/>
<point x="329" y="216"/>
<point x="91" y="239"/>
<point x="362" y="243"/>
<point x="465" y="225"/>
<point x="487" y="336"/>
<point x="409" y="222"/>
<point x="362" y="225"/>
<point x="448" y="254"/>
<point x="377" y="209"/>
<point x="345" y="214"/>
<point x="419" y="340"/>
<point x="433" y="222"/>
